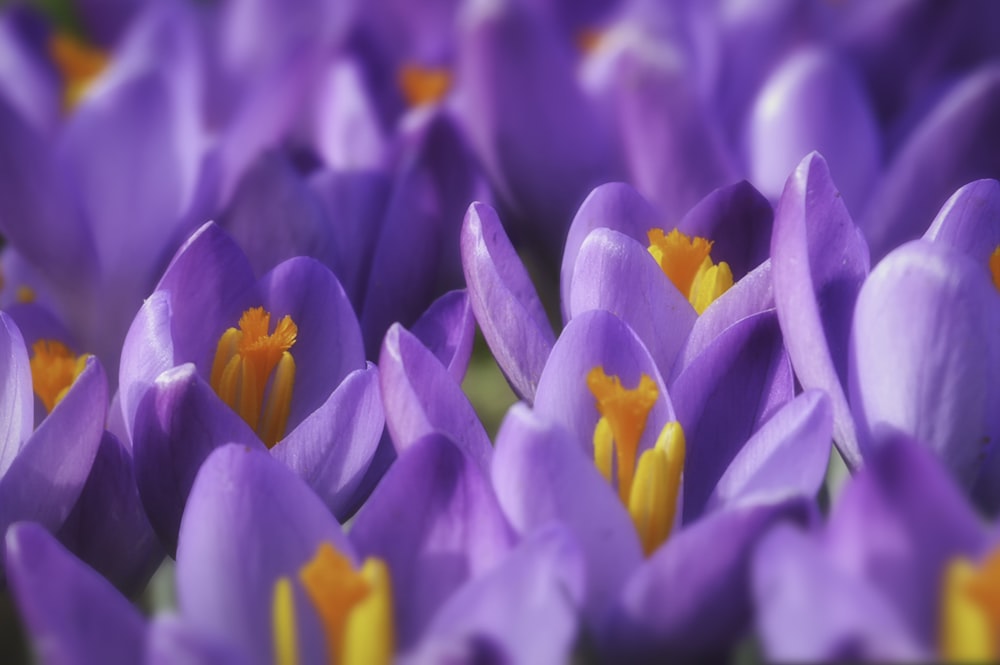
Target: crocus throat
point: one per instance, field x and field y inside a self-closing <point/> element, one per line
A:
<point x="422" y="85"/>
<point x="253" y="372"/>
<point x="687" y="263"/>
<point x="354" y="608"/>
<point x="79" y="65"/>
<point x="54" y="368"/>
<point x="970" y="611"/>
<point x="995" y="267"/>
<point x="651" y="488"/>
<point x="588" y="39"/>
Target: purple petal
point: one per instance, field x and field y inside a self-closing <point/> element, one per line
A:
<point x="27" y="81"/>
<point x="171" y="639"/>
<point x="526" y="606"/>
<point x="787" y="456"/>
<point x="17" y="401"/>
<point x="108" y="528"/>
<point x="724" y="396"/>
<point x="814" y="101"/>
<point x="922" y="358"/>
<point x="435" y="521"/>
<point x="819" y="260"/>
<point x="616" y="206"/>
<point x="48" y="474"/>
<point x="347" y="131"/>
<point x="179" y="422"/>
<point x="691" y="599"/>
<point x="596" y="339"/>
<point x="328" y="344"/>
<point x="504" y="300"/>
<point x="72" y="614"/>
<point x="447" y="328"/>
<point x="421" y="398"/>
<point x="953" y="145"/>
<point x="333" y="447"/>
<point x="853" y="621"/>
<point x="970" y="220"/>
<point x="617" y="274"/>
<point x="541" y="477"/>
<point x="248" y="521"/>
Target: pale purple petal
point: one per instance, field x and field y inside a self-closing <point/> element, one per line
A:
<point x="17" y="401"/>
<point x="970" y="220"/>
<point x="448" y="328"/>
<point x="171" y="639"/>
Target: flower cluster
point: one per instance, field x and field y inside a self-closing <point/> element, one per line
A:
<point x="737" y="263"/>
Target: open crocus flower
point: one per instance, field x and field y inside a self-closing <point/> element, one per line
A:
<point x="53" y="405"/>
<point x="217" y="356"/>
<point x="667" y="492"/>
<point x="904" y="570"/>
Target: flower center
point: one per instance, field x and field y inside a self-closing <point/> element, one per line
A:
<point x="422" y="85"/>
<point x="354" y="608"/>
<point x="54" y="368"/>
<point x="253" y="372"/>
<point x="970" y="616"/>
<point x="686" y="262"/>
<point x="649" y="490"/>
<point x="79" y="65"/>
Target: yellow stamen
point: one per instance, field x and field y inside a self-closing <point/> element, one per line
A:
<point x="54" y="368"/>
<point x="625" y="412"/>
<point x="25" y="294"/>
<point x="653" y="500"/>
<point x="355" y="608"/>
<point x="995" y="267"/>
<point x="970" y="617"/>
<point x="422" y="85"/>
<point x="286" y="643"/>
<point x="245" y="360"/>
<point x="78" y="63"/>
<point x="686" y="262"/>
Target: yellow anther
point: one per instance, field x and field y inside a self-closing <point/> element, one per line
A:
<point x="624" y="412"/>
<point x="355" y="608"/>
<point x="686" y="262"/>
<point x="54" y="368"/>
<point x="654" y="497"/>
<point x="246" y="360"/>
<point x="286" y="642"/>
<point x="422" y="85"/>
<point x="78" y="63"/>
<point x="25" y="294"/>
<point x="970" y="611"/>
<point x="995" y="267"/>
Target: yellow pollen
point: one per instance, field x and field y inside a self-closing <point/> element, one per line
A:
<point x="54" y="368"/>
<point x="653" y="501"/>
<point x="623" y="419"/>
<point x="422" y="85"/>
<point x="25" y="294"/>
<point x="995" y="267"/>
<point x="354" y="607"/>
<point x="246" y="359"/>
<point x="686" y="262"/>
<point x="970" y="611"/>
<point x="78" y="63"/>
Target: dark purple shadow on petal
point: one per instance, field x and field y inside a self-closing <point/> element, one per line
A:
<point x="333" y="447"/>
<point x="421" y="398"/>
<point x="808" y="610"/>
<point x="898" y="523"/>
<point x="970" y="220"/>
<point x="179" y="422"/>
<point x="818" y="262"/>
<point x="617" y="274"/>
<point x="436" y="523"/>
<point x="597" y="339"/>
<point x="28" y="82"/>
<point x="953" y="145"/>
<point x="250" y="520"/>
<point x="616" y="206"/>
<point x="72" y="614"/>
<point x="923" y="354"/>
<point x="108" y="528"/>
<point x="541" y="477"/>
<point x="787" y="456"/>
<point x="504" y="300"/>
<point x="692" y="598"/>
<point x="724" y="396"/>
<point x="737" y="219"/>
<point x="448" y="328"/>
<point x="17" y="401"/>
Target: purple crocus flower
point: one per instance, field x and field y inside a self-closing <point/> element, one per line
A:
<point x="203" y="365"/>
<point x="899" y="572"/>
